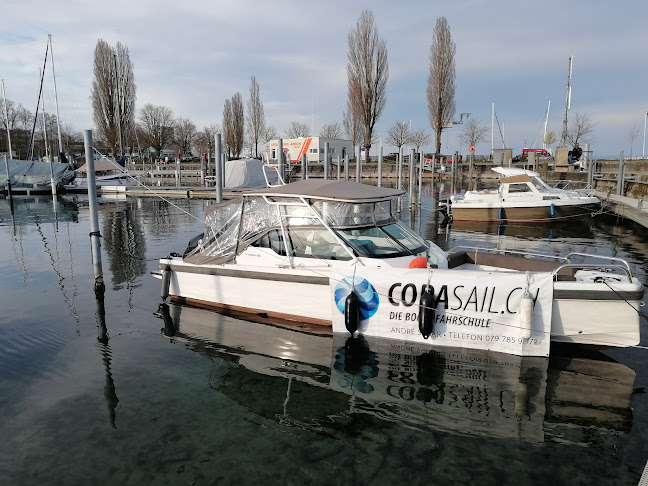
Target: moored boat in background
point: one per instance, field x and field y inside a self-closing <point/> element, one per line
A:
<point x="521" y="196"/>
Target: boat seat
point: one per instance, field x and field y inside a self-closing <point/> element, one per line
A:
<point x="511" y="262"/>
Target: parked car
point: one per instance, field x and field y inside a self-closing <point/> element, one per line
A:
<point x="186" y="158"/>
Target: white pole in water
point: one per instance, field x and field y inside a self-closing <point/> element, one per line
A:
<point x="411" y="185"/>
<point x="380" y="165"/>
<point x="643" y="152"/>
<point x="359" y="165"/>
<point x="281" y="168"/>
<point x="219" y="169"/>
<point x="327" y="167"/>
<point x="95" y="235"/>
<point x="420" y="177"/>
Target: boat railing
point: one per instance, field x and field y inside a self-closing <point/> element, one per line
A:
<point x="275" y="169"/>
<point x="592" y="266"/>
<point x="519" y="253"/>
<point x="527" y="261"/>
<point x="581" y="187"/>
<point x="613" y="262"/>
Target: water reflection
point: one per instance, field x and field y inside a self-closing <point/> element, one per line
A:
<point x="317" y="382"/>
<point x="27" y="210"/>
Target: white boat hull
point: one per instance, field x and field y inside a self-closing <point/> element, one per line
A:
<point x="604" y="319"/>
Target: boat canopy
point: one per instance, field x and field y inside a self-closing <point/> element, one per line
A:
<point x="329" y="190"/>
<point x="230" y="226"/>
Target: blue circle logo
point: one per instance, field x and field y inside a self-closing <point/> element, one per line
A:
<point x="366" y="293"/>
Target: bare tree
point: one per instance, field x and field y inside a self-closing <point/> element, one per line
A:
<point x="205" y="139"/>
<point x="70" y="137"/>
<point x="419" y="138"/>
<point x="352" y="125"/>
<point x="19" y="120"/>
<point x="297" y="130"/>
<point x="399" y="135"/>
<point x="367" y="73"/>
<point x="270" y="133"/>
<point x="228" y="125"/>
<point x="331" y="130"/>
<point x="156" y="127"/>
<point x="256" y="116"/>
<point x="113" y="93"/>
<point x="441" y="81"/>
<point x="580" y="129"/>
<point x="233" y="126"/>
<point x="473" y="133"/>
<point x="185" y="135"/>
<point x="633" y="133"/>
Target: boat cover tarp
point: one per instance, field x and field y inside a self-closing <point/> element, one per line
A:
<point x="102" y="165"/>
<point x="33" y="174"/>
<point x="246" y="174"/>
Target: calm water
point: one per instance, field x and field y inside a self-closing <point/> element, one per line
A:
<point x="123" y="391"/>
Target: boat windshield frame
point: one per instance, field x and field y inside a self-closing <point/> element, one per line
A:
<point x="388" y="240"/>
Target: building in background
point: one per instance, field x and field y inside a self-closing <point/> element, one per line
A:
<point x="313" y="147"/>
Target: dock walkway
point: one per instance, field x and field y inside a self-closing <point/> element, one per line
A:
<point x="626" y="207"/>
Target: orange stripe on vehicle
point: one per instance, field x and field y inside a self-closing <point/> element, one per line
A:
<point x="304" y="149"/>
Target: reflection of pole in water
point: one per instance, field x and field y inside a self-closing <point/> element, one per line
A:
<point x="109" y="388"/>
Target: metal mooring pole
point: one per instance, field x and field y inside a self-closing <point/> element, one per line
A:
<point x="95" y="235"/>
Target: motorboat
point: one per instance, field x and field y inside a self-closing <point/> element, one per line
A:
<point x="521" y="196"/>
<point x="333" y="253"/>
<point x="109" y="176"/>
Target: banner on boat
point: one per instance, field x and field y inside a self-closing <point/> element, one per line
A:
<point x="505" y="312"/>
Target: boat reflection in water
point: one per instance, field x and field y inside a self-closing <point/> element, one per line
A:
<point x="317" y="381"/>
<point x="578" y="228"/>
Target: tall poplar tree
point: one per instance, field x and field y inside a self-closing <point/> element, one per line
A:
<point x="113" y="94"/>
<point x="441" y="81"/>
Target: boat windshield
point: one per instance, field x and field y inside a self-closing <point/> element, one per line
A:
<point x="390" y="240"/>
<point x="541" y="185"/>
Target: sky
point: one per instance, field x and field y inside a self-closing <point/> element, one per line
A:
<point x="193" y="55"/>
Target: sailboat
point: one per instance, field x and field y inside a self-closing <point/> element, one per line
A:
<point x="33" y="176"/>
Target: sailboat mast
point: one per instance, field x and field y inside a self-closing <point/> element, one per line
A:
<point x="492" y="128"/>
<point x="544" y="136"/>
<point x="40" y="92"/>
<point x="47" y="152"/>
<point x="4" y="99"/>
<point x="563" y="137"/>
<point x="58" y="118"/>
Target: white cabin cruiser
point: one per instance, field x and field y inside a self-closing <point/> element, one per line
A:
<point x="334" y="253"/>
<point x="522" y="196"/>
